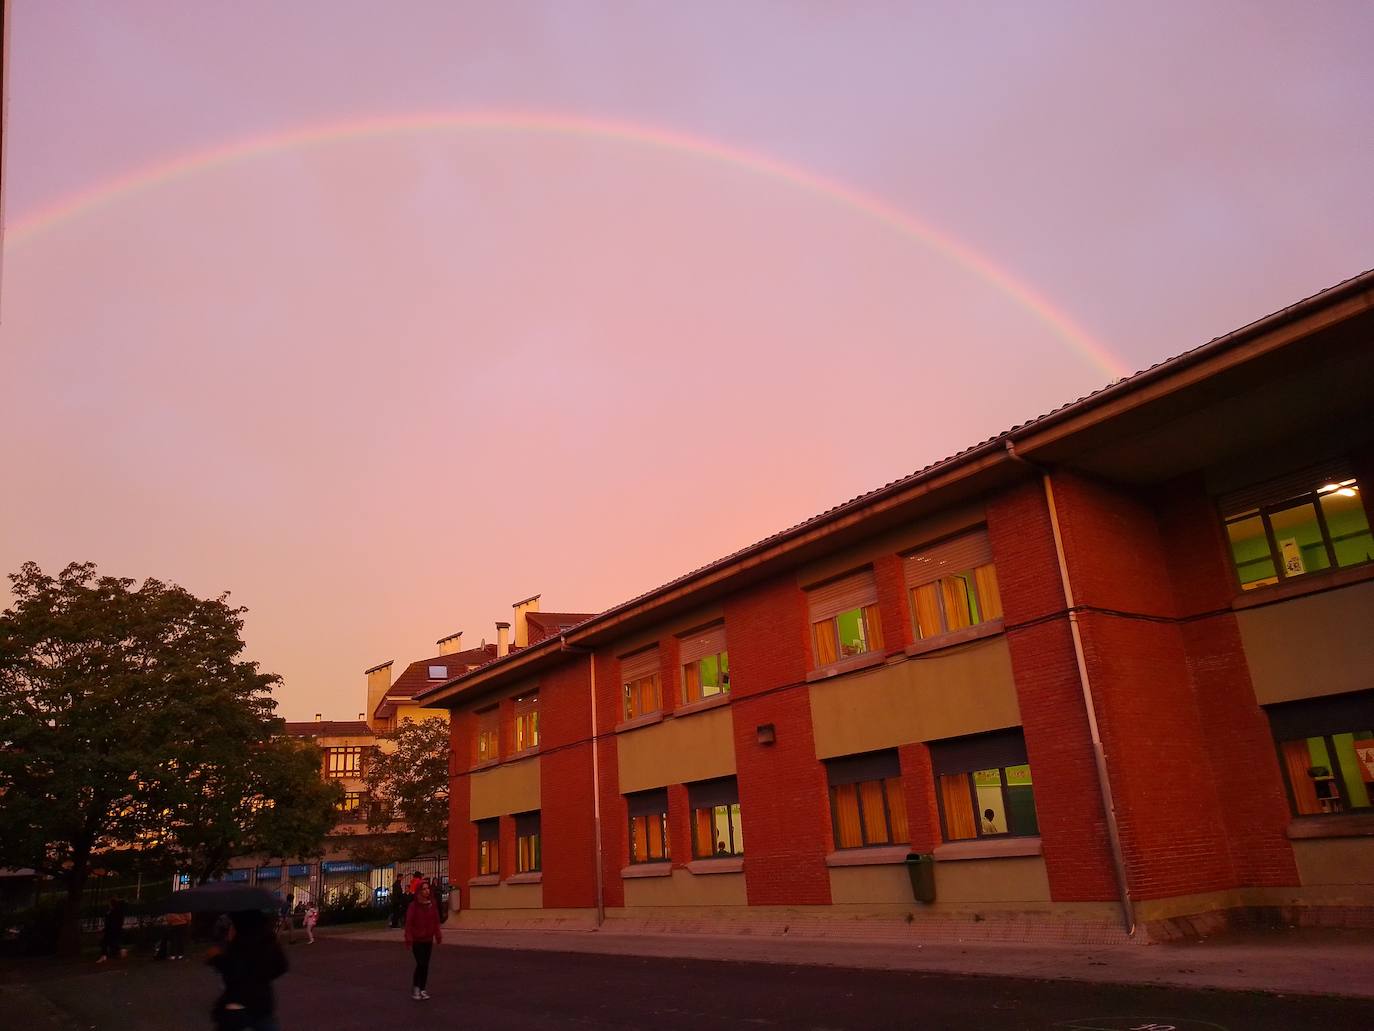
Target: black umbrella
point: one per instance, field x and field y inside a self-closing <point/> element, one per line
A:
<point x="219" y="897"/>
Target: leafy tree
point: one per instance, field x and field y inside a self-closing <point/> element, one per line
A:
<point x="124" y="712"/>
<point x="407" y="781"/>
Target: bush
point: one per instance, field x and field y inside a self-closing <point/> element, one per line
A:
<point x="348" y="906"/>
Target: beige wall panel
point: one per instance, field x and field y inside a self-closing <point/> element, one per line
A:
<point x="1335" y="861"/>
<point x="508" y="896"/>
<point x="677" y="751"/>
<point x="863" y="885"/>
<point x="502" y="790"/>
<point x="1282" y="640"/>
<point x="686" y="889"/>
<point x="904" y="538"/>
<point x="966" y="690"/>
<point x="1006" y="879"/>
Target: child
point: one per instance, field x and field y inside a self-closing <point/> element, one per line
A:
<point x="312" y="917"/>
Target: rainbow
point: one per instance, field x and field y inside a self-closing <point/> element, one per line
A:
<point x="149" y="177"/>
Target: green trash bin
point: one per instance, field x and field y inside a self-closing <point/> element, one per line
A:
<point x="920" y="866"/>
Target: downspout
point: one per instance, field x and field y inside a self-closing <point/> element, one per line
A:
<point x="1085" y="684"/>
<point x="563" y="645"/>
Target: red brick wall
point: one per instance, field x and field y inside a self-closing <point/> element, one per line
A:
<point x="615" y="846"/>
<point x="892" y="603"/>
<point x="918" y="788"/>
<point x="461" y="729"/>
<point x="782" y="788"/>
<point x="1068" y="801"/>
<point x="566" y="824"/>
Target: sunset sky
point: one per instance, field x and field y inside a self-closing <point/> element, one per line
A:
<point x="384" y="316"/>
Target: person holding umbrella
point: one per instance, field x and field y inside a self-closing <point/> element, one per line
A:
<point x="249" y="963"/>
<point x="422" y="934"/>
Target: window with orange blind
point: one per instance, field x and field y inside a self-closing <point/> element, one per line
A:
<point x="648" y="826"/>
<point x="488" y="847"/>
<point x="525" y="730"/>
<point x="717" y="830"/>
<point x="1326" y="752"/>
<point x="984" y="786"/>
<point x="488" y="734"/>
<point x="705" y="664"/>
<point x="844" y="618"/>
<point x="639" y="675"/>
<point x="528" y="858"/>
<point x="867" y="804"/>
<point x="953" y="585"/>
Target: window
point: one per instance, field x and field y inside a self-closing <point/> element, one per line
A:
<point x="953" y="586"/>
<point x="648" y="826"/>
<point x="844" y="618"/>
<point x="438" y="672"/>
<point x="344" y="762"/>
<point x="639" y="672"/>
<point x="488" y="847"/>
<point x="527" y="857"/>
<point x="716" y="828"/>
<point x="984" y="786"/>
<point x="1303" y="523"/>
<point x="1326" y="751"/>
<point x="867" y="806"/>
<point x="705" y="665"/>
<point x="526" y="729"/>
<point x="488" y="734"/>
<point x="352" y="803"/>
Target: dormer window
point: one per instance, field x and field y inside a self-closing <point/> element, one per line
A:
<point x="438" y="672"/>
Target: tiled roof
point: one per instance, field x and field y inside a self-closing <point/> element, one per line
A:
<point x="416" y="676"/>
<point x="328" y="728"/>
<point x="546" y="624"/>
<point x="996" y="442"/>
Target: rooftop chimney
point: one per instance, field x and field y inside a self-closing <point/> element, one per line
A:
<point x="362" y="716"/>
<point x="450" y="644"/>
<point x="502" y="639"/>
<point x="378" y="684"/>
<point x="522" y="630"/>
<point x="319" y="717"/>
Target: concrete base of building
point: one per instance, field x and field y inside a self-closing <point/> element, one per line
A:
<point x="1201" y="916"/>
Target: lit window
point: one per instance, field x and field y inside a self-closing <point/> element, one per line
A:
<point x="867" y="805"/>
<point x="639" y="675"/>
<point x="648" y="826"/>
<point x="705" y="665"/>
<point x="985" y="786"/>
<point x="344" y="762"/>
<point x="1326" y="750"/>
<point x="716" y="827"/>
<point x="488" y="734"/>
<point x="488" y="847"/>
<point x="953" y="586"/>
<point x="527" y="857"/>
<point x="1303" y="523"/>
<point x="526" y="728"/>
<point x="844" y="618"/>
<point x="352" y="803"/>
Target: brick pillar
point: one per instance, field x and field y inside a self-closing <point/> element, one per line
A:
<point x="565" y="787"/>
<point x="918" y="783"/>
<point x="892" y="602"/>
<point x="615" y="847"/>
<point x="506" y="845"/>
<point x="670" y="673"/>
<point x="679" y="826"/>
<point x="461" y="842"/>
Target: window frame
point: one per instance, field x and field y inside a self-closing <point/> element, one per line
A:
<point x="488" y="731"/>
<point x="859" y="586"/>
<point x="346" y="811"/>
<point x="709" y="642"/>
<point x="649" y="802"/>
<point x="526" y="712"/>
<point x="490" y="857"/>
<point x="637" y="668"/>
<point x="536" y="849"/>
<point x="1323" y="717"/>
<point x="965" y="552"/>
<point x="708" y="796"/>
<point x="1005" y="790"/>
<point x="863" y="821"/>
<point x="349" y="770"/>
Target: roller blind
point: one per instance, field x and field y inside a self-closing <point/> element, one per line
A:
<point x="488" y="830"/>
<point x="979" y="752"/>
<point x="849" y="592"/>
<point x="1314" y="717"/>
<point x="699" y="645"/>
<point x="639" y="665"/>
<point x="648" y="803"/>
<point x="1294" y="485"/>
<point x="855" y="768"/>
<point x="526" y="824"/>
<point x="708" y="793"/>
<point x="967" y="551"/>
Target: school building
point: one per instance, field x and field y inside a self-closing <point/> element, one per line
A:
<point x="1108" y="673"/>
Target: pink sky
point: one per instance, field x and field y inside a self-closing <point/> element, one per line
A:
<point x="381" y="385"/>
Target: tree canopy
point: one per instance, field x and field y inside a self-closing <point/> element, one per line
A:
<point x="407" y="781"/>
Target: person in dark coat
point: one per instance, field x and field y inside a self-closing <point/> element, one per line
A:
<point x="249" y="963"/>
<point x="422" y="934"/>
<point x="398" y="901"/>
<point x="112" y="931"/>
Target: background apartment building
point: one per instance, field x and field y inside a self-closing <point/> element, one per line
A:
<point x="1110" y="669"/>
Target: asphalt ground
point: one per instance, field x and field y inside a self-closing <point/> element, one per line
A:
<point x="338" y="984"/>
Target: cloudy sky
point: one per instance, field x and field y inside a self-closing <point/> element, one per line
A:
<point x="382" y="317"/>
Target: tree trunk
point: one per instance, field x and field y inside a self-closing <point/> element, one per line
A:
<point x="69" y="933"/>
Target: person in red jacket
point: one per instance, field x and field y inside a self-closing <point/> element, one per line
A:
<point x="422" y="934"/>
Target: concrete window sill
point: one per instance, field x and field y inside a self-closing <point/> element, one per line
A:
<point x="485" y="764"/>
<point x="883" y="855"/>
<point x="1338" y="825"/>
<point x="973" y="633"/>
<point x="714" y="702"/>
<point x="734" y="864"/>
<point x="533" y="877"/>
<point x="1311" y="583"/>
<point x="647" y="720"/>
<point x="646" y="870"/>
<point x="849" y="665"/>
<point x="987" y="848"/>
<point x="490" y="880"/>
<point x="524" y="753"/>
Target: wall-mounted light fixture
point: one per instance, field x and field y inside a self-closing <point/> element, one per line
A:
<point x="767" y="735"/>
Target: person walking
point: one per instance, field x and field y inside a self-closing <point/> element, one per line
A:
<point x="249" y="962"/>
<point x="422" y="934"/>
<point x="178" y="926"/>
<point x="112" y="931"/>
<point x="284" y="921"/>
<point x="397" y="900"/>
<point x="312" y="917"/>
